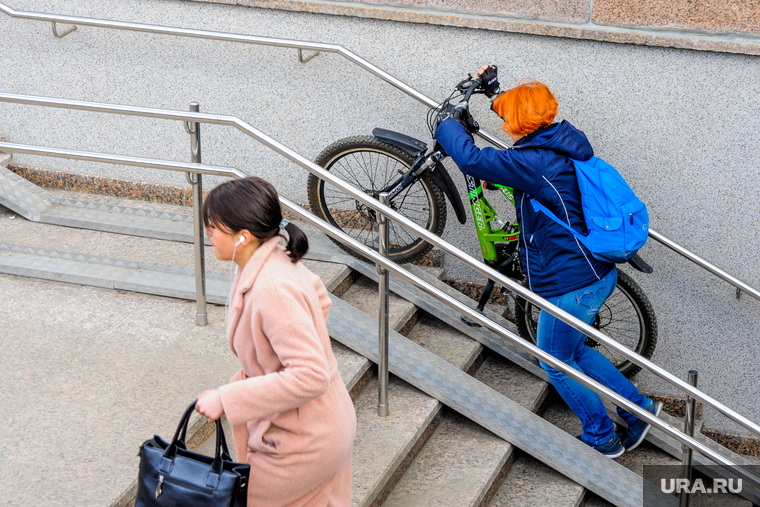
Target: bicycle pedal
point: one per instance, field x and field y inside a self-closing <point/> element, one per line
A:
<point x="470" y="322"/>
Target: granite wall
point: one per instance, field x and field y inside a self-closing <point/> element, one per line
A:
<point x="716" y="25"/>
<point x="681" y="125"/>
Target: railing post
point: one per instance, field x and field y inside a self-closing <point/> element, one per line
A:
<point x="383" y="290"/>
<point x="194" y="129"/>
<point x="688" y="428"/>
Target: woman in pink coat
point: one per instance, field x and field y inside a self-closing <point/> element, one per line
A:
<point x="291" y="416"/>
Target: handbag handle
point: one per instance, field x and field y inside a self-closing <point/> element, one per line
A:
<point x="221" y="452"/>
<point x="182" y="441"/>
<point x="167" y="462"/>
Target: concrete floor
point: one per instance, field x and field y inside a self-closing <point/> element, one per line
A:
<point x="88" y="374"/>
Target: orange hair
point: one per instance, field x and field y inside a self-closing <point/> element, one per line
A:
<point x="526" y="108"/>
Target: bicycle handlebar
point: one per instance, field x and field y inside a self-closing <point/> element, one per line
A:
<point x="470" y="86"/>
<point x="467" y="87"/>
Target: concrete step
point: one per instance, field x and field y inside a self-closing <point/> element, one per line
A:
<point x="518" y="385"/>
<point x="171" y="280"/>
<point x="530" y="483"/>
<point x="591" y="500"/>
<point x="447" y="343"/>
<point x="106" y="244"/>
<point x="376" y="468"/>
<point x="431" y="479"/>
<point x="464" y="464"/>
<point x="457" y="467"/>
<point x="363" y="295"/>
<point x="384" y="447"/>
<point x="106" y="260"/>
<point x="354" y="369"/>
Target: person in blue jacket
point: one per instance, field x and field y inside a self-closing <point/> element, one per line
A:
<point x="556" y="265"/>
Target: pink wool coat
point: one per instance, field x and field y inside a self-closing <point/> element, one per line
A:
<point x="291" y="416"/>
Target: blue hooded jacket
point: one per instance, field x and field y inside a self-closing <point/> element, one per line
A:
<point x="537" y="166"/>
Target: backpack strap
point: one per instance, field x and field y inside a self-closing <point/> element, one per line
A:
<point x="540" y="208"/>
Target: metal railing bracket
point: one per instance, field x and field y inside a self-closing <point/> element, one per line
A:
<point x="190" y="130"/>
<point x="304" y="60"/>
<point x="64" y="34"/>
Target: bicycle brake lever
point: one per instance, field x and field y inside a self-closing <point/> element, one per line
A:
<point x="468" y="83"/>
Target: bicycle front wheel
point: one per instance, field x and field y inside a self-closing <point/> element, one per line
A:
<point x="371" y="165"/>
<point x="627" y="317"/>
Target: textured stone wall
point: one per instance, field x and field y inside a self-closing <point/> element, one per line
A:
<point x="731" y="26"/>
<point x="710" y="16"/>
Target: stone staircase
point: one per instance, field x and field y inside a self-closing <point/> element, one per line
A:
<point x="426" y="452"/>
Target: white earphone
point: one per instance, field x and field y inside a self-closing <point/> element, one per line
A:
<point x="233" y="275"/>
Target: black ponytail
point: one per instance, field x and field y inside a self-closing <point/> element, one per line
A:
<point x="252" y="204"/>
<point x="298" y="243"/>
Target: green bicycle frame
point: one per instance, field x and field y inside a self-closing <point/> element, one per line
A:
<point x="484" y="214"/>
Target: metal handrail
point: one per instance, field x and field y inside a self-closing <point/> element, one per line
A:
<point x="353" y="58"/>
<point x="224" y="36"/>
<point x="248" y="39"/>
<point x="740" y="286"/>
<point x="169" y="165"/>
<point x="435" y="240"/>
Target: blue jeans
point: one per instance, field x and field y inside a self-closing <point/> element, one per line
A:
<point x="568" y="345"/>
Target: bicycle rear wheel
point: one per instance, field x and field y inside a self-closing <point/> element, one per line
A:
<point x="371" y="165"/>
<point x="627" y="317"/>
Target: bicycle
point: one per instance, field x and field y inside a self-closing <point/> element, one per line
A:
<point x="417" y="182"/>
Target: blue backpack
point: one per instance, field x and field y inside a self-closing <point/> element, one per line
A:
<point x="617" y="221"/>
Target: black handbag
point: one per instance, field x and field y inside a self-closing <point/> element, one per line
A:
<point x="172" y="476"/>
